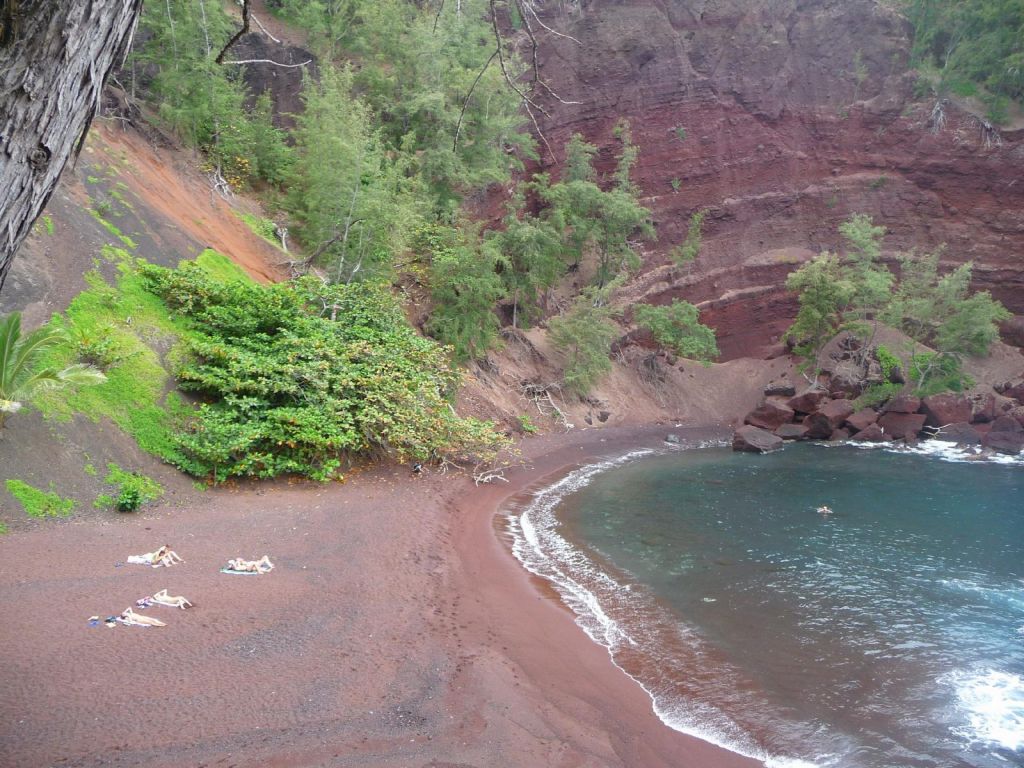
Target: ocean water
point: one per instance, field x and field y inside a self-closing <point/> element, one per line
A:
<point x="888" y="633"/>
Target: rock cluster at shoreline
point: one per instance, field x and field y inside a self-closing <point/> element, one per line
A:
<point x="993" y="420"/>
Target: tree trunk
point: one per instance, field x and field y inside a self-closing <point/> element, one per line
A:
<point x="53" y="62"/>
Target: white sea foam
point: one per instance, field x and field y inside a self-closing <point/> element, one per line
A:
<point x="993" y="702"/>
<point x="543" y="551"/>
<point x="941" y="450"/>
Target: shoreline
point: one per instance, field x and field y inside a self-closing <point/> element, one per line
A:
<point x="439" y="647"/>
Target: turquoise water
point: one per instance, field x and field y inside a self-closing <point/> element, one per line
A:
<point x="889" y="633"/>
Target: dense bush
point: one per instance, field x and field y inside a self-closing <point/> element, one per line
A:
<point x="677" y="327"/>
<point x="297" y="377"/>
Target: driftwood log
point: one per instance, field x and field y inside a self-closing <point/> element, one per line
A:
<point x="54" y="58"/>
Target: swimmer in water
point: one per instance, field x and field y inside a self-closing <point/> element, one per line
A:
<point x="823" y="510"/>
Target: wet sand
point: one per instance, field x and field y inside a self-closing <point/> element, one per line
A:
<point x="396" y="630"/>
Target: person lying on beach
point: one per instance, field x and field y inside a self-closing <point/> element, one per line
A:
<point x="175" y="601"/>
<point x="164" y="556"/>
<point x="131" y="618"/>
<point x="263" y="565"/>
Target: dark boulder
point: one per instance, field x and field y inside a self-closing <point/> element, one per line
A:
<point x="983" y="407"/>
<point x="827" y="419"/>
<point x="871" y="434"/>
<point x="792" y="432"/>
<point x="1018" y="414"/>
<point x="903" y="404"/>
<point x="807" y="401"/>
<point x="899" y="425"/>
<point x="779" y="389"/>
<point x="839" y="435"/>
<point x="755" y="440"/>
<point x="862" y="419"/>
<point x="770" y="415"/>
<point x="960" y="433"/>
<point x="1014" y="389"/>
<point x="1006" y="423"/>
<point x="945" y="409"/>
<point x="1004" y="442"/>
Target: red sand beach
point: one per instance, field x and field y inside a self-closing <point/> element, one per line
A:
<point x="396" y="630"/>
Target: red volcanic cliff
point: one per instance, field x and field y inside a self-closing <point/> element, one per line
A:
<point x="782" y="118"/>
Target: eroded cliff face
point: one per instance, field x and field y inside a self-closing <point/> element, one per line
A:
<point x="781" y="118"/>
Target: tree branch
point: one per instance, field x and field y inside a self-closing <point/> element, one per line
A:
<point x="238" y="34"/>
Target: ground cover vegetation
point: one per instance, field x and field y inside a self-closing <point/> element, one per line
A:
<point x="972" y="48"/>
<point x="856" y="291"/>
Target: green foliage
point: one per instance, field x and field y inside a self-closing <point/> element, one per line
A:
<point x="529" y="251"/>
<point x="37" y="503"/>
<point x="261" y="227"/>
<point x="97" y="213"/>
<point x="592" y="218"/>
<point x="353" y="204"/>
<point x="430" y="76"/>
<point x="526" y="424"/>
<point x="296" y="377"/>
<point x="89" y="469"/>
<point x="877" y="394"/>
<point x="104" y="501"/>
<point x="677" y="327"/>
<point x="940" y="311"/>
<point x="46" y="223"/>
<point x="127" y="316"/>
<point x="687" y="250"/>
<point x="584" y="334"/>
<point x="980" y="42"/>
<point x="824" y="294"/>
<point x="24" y="370"/>
<point x="203" y="101"/>
<point x="464" y="287"/>
<point x="888" y="362"/>
<point x="680" y="132"/>
<point x="133" y="489"/>
<point x="220" y="267"/>
<point x="676" y="184"/>
<point x="933" y="373"/>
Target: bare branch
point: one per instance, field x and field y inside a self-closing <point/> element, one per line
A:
<point x="556" y="33"/>
<point x="268" y="61"/>
<point x="533" y="50"/>
<point x="265" y="30"/>
<point x="504" y="69"/>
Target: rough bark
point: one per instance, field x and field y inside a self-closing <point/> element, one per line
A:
<point x="52" y="69"/>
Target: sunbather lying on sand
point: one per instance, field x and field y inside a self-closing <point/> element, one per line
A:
<point x="164" y="556"/>
<point x="263" y="565"/>
<point x="175" y="601"/>
<point x="131" y="618"/>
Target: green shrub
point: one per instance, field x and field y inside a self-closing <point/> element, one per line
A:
<point x="297" y="377"/>
<point x="677" y="327"/>
<point x="877" y="394"/>
<point x="889" y="363"/>
<point x="526" y="424"/>
<point x="934" y="373"/>
<point x="37" y="503"/>
<point x="133" y="489"/>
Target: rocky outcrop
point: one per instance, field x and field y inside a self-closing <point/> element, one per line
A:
<point x="755" y="440"/>
<point x="946" y="408"/>
<point x="961" y="433"/>
<point x="753" y="111"/>
<point x="900" y="426"/>
<point x="1006" y="436"/>
<point x="770" y="415"/>
<point x="872" y="434"/>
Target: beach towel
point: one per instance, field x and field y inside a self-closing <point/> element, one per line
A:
<point x="241" y="573"/>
